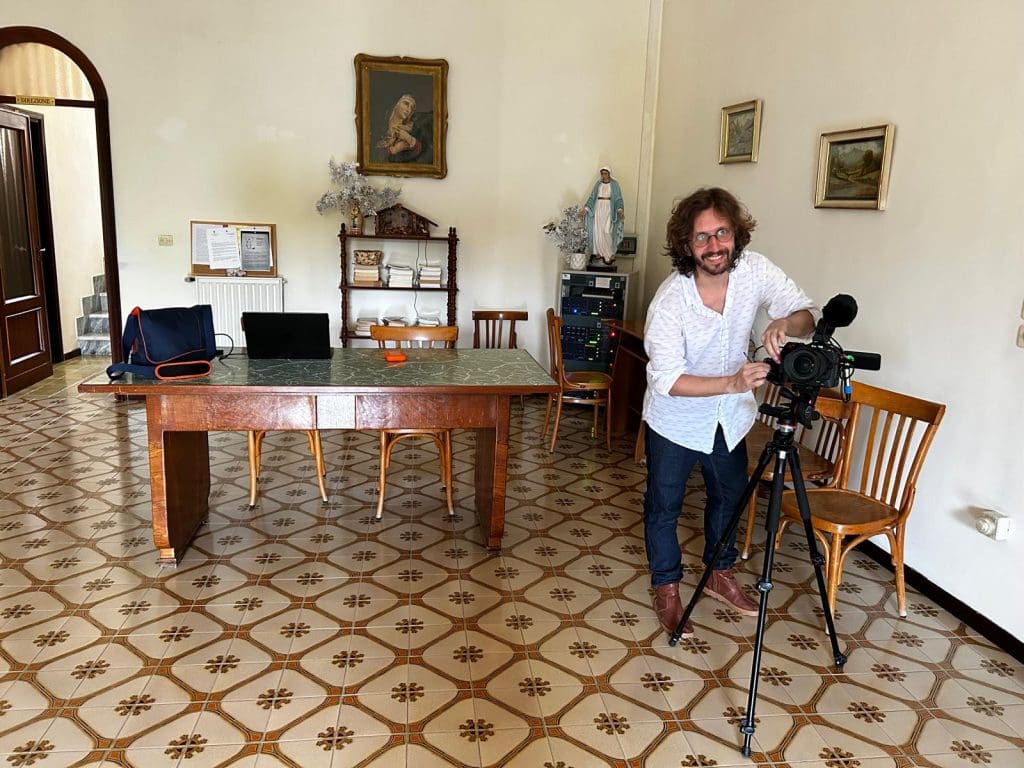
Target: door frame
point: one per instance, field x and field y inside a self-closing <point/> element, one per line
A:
<point x="101" y="111"/>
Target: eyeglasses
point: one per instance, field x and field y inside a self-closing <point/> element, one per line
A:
<point x="722" y="235"/>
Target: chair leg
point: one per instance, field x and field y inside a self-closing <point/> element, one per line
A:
<point x="558" y="419"/>
<point x="608" y="421"/>
<point x="751" y="517"/>
<point x="835" y="570"/>
<point x="318" y="455"/>
<point x="385" y="449"/>
<point x="446" y="469"/>
<point x="547" y="416"/>
<point x="896" y="547"/>
<point x="255" y="439"/>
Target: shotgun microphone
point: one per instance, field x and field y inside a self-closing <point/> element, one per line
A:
<point x="839" y="312"/>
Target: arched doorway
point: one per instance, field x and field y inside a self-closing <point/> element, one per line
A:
<point x="97" y="101"/>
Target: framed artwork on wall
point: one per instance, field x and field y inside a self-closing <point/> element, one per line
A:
<point x="853" y="168"/>
<point x="401" y="115"/>
<point x="741" y="132"/>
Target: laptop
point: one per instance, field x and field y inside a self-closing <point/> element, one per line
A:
<point x="287" y="335"/>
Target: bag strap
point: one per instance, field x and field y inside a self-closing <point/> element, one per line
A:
<point x="118" y="370"/>
<point x="128" y="341"/>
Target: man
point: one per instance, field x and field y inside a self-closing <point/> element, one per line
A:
<point x="604" y="217"/>
<point x="699" y="403"/>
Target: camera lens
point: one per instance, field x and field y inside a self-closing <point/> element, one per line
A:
<point x="803" y="365"/>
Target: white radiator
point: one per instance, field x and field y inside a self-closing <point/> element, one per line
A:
<point x="231" y="296"/>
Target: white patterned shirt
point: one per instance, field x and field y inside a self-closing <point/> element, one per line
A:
<point x="683" y="336"/>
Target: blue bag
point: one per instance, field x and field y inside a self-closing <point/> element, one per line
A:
<point x="171" y="343"/>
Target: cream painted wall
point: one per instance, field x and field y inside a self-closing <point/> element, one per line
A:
<point x="939" y="275"/>
<point x="230" y="110"/>
<point x="75" y="201"/>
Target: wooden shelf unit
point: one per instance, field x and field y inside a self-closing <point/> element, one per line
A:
<point x="346" y="286"/>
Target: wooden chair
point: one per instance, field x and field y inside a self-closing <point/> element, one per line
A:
<point x="255" y="437"/>
<point x="877" y="481"/>
<point x="593" y="388"/>
<point x="489" y="330"/>
<point x="255" y="440"/>
<point x="420" y="337"/>
<point x="489" y="327"/>
<point x="823" y="448"/>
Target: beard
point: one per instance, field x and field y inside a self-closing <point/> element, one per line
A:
<point x="717" y="267"/>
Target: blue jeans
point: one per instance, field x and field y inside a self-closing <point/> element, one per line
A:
<point x="668" y="466"/>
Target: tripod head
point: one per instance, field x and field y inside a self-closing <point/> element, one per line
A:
<point x="799" y="408"/>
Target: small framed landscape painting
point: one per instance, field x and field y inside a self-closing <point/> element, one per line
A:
<point x="741" y="132"/>
<point x="853" y="168"/>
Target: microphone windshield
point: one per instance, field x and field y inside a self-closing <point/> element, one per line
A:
<point x="840" y="311"/>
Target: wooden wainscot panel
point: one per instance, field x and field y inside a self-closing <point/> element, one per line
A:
<point x="427" y="411"/>
<point x="198" y="412"/>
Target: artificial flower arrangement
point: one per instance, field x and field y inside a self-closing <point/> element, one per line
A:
<point x="355" y="196"/>
<point x="569" y="233"/>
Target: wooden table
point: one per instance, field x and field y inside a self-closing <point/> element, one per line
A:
<point x="629" y="380"/>
<point x="356" y="389"/>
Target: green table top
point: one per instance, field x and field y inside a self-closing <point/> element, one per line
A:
<point x="356" y="370"/>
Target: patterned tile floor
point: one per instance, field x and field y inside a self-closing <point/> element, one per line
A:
<point x="303" y="634"/>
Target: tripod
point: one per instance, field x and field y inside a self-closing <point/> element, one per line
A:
<point x="782" y="447"/>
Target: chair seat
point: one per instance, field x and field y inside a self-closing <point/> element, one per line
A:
<point x="814" y="467"/>
<point x="588" y="379"/>
<point x="836" y="510"/>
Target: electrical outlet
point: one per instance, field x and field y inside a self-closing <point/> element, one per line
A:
<point x="165" y="240"/>
<point x="994" y="524"/>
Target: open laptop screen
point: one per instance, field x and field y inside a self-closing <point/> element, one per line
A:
<point x="287" y="335"/>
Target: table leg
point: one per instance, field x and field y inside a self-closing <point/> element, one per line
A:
<point x="179" y="469"/>
<point x="491" y="472"/>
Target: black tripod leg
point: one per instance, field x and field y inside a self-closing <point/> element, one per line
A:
<point x="764" y="586"/>
<point x="816" y="557"/>
<point x="741" y="507"/>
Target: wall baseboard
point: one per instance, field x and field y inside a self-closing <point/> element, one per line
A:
<point x="76" y="352"/>
<point x="991" y="631"/>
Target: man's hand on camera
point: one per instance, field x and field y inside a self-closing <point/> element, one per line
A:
<point x="774" y="338"/>
<point x="749" y="377"/>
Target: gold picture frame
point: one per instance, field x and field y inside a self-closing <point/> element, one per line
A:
<point x="741" y="132"/>
<point x="401" y="116"/>
<point x="853" y="168"/>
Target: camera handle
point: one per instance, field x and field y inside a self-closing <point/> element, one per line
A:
<point x="783" y="449"/>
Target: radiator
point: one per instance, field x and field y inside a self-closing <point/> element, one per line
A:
<point x="231" y="296"/>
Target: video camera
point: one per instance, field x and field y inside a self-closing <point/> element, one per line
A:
<point x="806" y="367"/>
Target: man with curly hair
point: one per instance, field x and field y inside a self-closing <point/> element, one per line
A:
<point x="700" y="404"/>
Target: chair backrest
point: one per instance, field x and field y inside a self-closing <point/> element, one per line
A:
<point x="422" y="336"/>
<point x="891" y="435"/>
<point x="828" y="437"/>
<point x="492" y="324"/>
<point x="555" y="360"/>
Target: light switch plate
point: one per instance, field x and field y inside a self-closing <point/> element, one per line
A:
<point x="165" y="240"/>
<point x="1020" y="336"/>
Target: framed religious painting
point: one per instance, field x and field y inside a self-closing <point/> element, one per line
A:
<point x="401" y="115"/>
<point x="741" y="132"/>
<point x="853" y="168"/>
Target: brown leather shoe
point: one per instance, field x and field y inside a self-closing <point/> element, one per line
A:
<point x="723" y="587"/>
<point x="669" y="609"/>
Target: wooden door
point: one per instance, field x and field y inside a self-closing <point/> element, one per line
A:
<point x="24" y="331"/>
